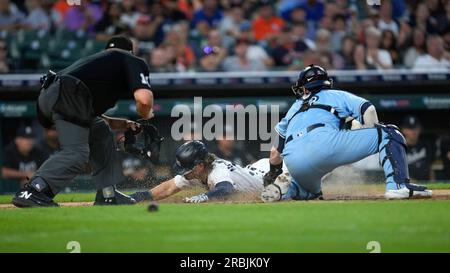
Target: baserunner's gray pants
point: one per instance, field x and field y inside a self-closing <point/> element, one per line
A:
<point x="78" y="146"/>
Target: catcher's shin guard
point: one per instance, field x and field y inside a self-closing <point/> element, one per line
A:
<point x="392" y="149"/>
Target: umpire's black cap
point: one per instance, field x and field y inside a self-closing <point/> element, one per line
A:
<point x="120" y="42"/>
<point x="188" y="156"/>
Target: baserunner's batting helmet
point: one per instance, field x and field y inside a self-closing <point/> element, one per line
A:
<point x="313" y="78"/>
<point x="188" y="156"/>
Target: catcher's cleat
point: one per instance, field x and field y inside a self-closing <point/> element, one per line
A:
<point x="408" y="190"/>
<point x="29" y="197"/>
<point x="118" y="198"/>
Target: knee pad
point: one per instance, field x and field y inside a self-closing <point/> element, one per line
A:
<point x="392" y="149"/>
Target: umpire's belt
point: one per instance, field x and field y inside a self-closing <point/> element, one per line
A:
<point x="308" y="129"/>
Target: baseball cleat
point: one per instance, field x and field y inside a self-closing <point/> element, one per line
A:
<point x="409" y="190"/>
<point x="29" y="197"/>
<point x="118" y="199"/>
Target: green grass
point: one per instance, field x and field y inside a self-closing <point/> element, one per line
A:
<point x="63" y="197"/>
<point x="332" y="226"/>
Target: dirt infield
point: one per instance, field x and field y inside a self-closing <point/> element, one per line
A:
<point x="333" y="196"/>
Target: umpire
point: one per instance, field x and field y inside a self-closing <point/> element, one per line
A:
<point x="73" y="101"/>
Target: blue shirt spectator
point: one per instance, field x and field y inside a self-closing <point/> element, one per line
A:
<point x="314" y="10"/>
<point x="210" y="13"/>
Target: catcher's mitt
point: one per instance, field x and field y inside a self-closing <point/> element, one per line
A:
<point x="145" y="142"/>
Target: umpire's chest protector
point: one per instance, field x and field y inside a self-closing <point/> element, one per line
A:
<point x="74" y="101"/>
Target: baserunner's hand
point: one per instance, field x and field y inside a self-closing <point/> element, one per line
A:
<point x="197" y="198"/>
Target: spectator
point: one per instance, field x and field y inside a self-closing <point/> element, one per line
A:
<point x="446" y="37"/>
<point x="22" y="158"/>
<point x="420" y="154"/>
<point x="421" y="19"/>
<point x="213" y="53"/>
<point x="347" y="51"/>
<point x="286" y="7"/>
<point x="232" y="23"/>
<point x="443" y="21"/>
<point x="240" y="61"/>
<point x="255" y="51"/>
<point x="386" y="22"/>
<point x="389" y="43"/>
<point x="435" y="8"/>
<point x="297" y="16"/>
<point x="338" y="33"/>
<point x="110" y="24"/>
<point x="11" y="18"/>
<point x="380" y="58"/>
<point x="287" y="51"/>
<point x="266" y="25"/>
<point x="172" y="13"/>
<point x="329" y="60"/>
<point x="314" y="10"/>
<point x="404" y="36"/>
<point x="4" y="63"/>
<point x="55" y="16"/>
<point x="129" y="16"/>
<point x="436" y="57"/>
<point x="49" y="144"/>
<point x="148" y="25"/>
<point x="183" y="55"/>
<point x="83" y="16"/>
<point x="159" y="61"/>
<point x="60" y="7"/>
<point x="418" y="48"/>
<point x="209" y="12"/>
<point x="360" y="60"/>
<point x="37" y="18"/>
<point x="398" y="9"/>
<point x="298" y="32"/>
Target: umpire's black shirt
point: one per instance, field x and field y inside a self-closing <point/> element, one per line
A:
<point x="109" y="75"/>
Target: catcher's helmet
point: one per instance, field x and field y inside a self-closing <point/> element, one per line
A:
<point x="188" y="156"/>
<point x="313" y="78"/>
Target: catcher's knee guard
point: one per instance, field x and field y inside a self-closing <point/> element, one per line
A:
<point x="392" y="149"/>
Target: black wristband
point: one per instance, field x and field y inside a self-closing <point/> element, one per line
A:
<point x="278" y="168"/>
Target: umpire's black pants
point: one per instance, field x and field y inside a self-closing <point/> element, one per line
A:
<point x="79" y="146"/>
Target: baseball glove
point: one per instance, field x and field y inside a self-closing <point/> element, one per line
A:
<point x="144" y="142"/>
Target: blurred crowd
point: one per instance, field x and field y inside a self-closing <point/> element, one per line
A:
<point x="251" y="35"/>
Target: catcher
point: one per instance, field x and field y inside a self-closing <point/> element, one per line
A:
<point x="312" y="141"/>
<point x="73" y="101"/>
<point x="195" y="166"/>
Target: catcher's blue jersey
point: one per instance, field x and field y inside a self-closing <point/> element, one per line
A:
<point x="309" y="155"/>
<point x="345" y="103"/>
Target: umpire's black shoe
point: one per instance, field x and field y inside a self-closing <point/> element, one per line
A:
<point x="118" y="199"/>
<point x="30" y="197"/>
